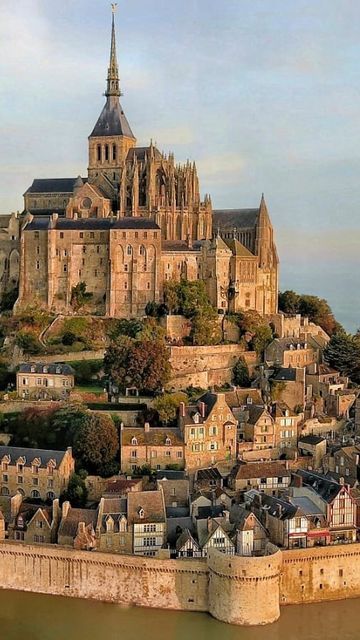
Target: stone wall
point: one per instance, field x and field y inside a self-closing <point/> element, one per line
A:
<point x="234" y="589"/>
<point x="206" y="366"/>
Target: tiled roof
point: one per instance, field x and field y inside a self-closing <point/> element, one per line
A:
<point x="38" y="367"/>
<point x="243" y="471"/>
<point x="30" y="454"/>
<point x="239" y="397"/>
<point x="150" y="502"/>
<point x="153" y="437"/>
<point x="122" y="485"/>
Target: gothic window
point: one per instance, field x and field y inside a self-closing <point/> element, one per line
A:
<point x="50" y="495"/>
<point x="142" y="250"/>
<point x="134" y="442"/>
<point x="148" y="285"/>
<point x="86" y="203"/>
<point x="114" y="150"/>
<point x="178" y="229"/>
<point x="142" y="190"/>
<point x="99" y="153"/>
<point x="129" y="250"/>
<point x="5" y="491"/>
<point x="107" y="153"/>
<point x="38" y="265"/>
<point x="35" y="493"/>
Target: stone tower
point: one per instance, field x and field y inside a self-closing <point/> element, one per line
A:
<point x="111" y="138"/>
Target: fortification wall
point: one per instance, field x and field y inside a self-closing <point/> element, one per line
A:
<point x="244" y="591"/>
<point x="206" y="366"/>
<point x="320" y="573"/>
<point x="127" y="580"/>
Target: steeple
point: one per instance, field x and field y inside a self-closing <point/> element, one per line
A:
<point x="113" y="86"/>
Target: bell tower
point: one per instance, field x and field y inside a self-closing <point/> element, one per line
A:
<point x="111" y="137"/>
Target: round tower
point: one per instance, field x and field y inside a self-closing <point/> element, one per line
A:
<point x="245" y="590"/>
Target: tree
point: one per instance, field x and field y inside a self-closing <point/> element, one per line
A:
<point x="96" y="442"/>
<point x="8" y="299"/>
<point x="205" y="329"/>
<point x="28" y="342"/>
<point x="79" y="296"/>
<point x="262" y="338"/>
<point x="316" y="309"/>
<point x="68" y="338"/>
<point x="289" y="302"/>
<point x="241" y="374"/>
<point x="76" y="492"/>
<point x="167" y="406"/>
<point x="343" y="353"/>
<point x="171" y="297"/>
<point x="130" y="328"/>
<point x="140" y="363"/>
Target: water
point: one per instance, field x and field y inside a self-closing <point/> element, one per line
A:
<point x="37" y="617"/>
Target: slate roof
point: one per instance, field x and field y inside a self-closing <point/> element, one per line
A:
<point x="54" y="369"/>
<point x="212" y="511"/>
<point x="287" y="374"/>
<point x="311" y="439"/>
<point x="112" y="121"/>
<point x="212" y="473"/>
<point x="238" y="397"/>
<point x="175" y="491"/>
<point x="178" y="245"/>
<point x="140" y="152"/>
<point x="170" y="474"/>
<point x="69" y="525"/>
<point x="45" y="455"/>
<point x="255" y="413"/>
<point x="325" y="487"/>
<point x="45" y="212"/>
<point x="228" y="219"/>
<point x="52" y="185"/>
<point x="151" y="502"/>
<point x="90" y="224"/>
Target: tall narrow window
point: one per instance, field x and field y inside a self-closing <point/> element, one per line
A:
<point x="114" y="152"/>
<point x="107" y="152"/>
<point x="99" y="153"/>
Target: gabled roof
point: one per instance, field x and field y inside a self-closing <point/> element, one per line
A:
<point x="240" y="397"/>
<point x="244" y="471"/>
<point x="54" y="369"/>
<point x="326" y="488"/>
<point x="228" y="219"/>
<point x="150" y="502"/>
<point x="238" y="249"/>
<point x="183" y="538"/>
<point x="112" y="121"/>
<point x="69" y="525"/>
<point x="152" y="437"/>
<point x="53" y="185"/>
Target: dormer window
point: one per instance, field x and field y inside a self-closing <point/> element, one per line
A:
<point x="32" y="369"/>
<point x="196" y="418"/>
<point x="168" y="442"/>
<point x="141" y="513"/>
<point x="110" y="525"/>
<point x="134" y="441"/>
<point x="20" y="522"/>
<point x="45" y="369"/>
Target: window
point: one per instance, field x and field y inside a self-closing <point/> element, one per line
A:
<point x="19" y="535"/>
<point x="129" y="250"/>
<point x="39" y="524"/>
<point x="168" y="442"/>
<point x="37" y="265"/>
<point x="35" y="481"/>
<point x="65" y="268"/>
<point x="5" y="477"/>
<point x="134" y="441"/>
<point x="4" y="466"/>
<point x="149" y="542"/>
<point x="81" y="234"/>
<point x="126" y="267"/>
<point x="114" y="152"/>
<point x="5" y="491"/>
<point x="61" y="235"/>
<point x="34" y="468"/>
<point x="20" y="480"/>
<point x="107" y="152"/>
<point x="179" y="454"/>
<point x="168" y="454"/>
<point x="35" y="494"/>
<point x="95" y="273"/>
<point x="39" y="539"/>
<point x="148" y="285"/>
<point x="134" y="454"/>
<point x="98" y="151"/>
<point x="20" y="467"/>
<point x="50" y="483"/>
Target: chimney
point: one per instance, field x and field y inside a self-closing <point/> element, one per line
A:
<point x="226" y="515"/>
<point x="342" y="481"/>
<point x="297" y="480"/>
<point x="209" y="525"/>
<point x="202" y="408"/>
<point x="182" y="409"/>
<point x="65" y="508"/>
<point x="147" y="427"/>
<point x="81" y="528"/>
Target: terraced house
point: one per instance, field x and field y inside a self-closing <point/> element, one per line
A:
<point x="35" y="473"/>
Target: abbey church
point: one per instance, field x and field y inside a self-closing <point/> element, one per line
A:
<point x="136" y="221"/>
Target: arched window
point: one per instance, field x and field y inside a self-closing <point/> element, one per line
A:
<point x="35" y="494"/>
<point x="134" y="441"/>
<point x="168" y="442"/>
<point x="50" y="495"/>
<point x="107" y="153"/>
<point x="129" y="250"/>
<point x="142" y="250"/>
<point x="98" y="151"/>
<point x="5" y="491"/>
<point x="114" y="152"/>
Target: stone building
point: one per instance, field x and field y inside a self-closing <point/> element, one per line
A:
<point x="209" y="431"/>
<point x="44" y="381"/>
<point x="35" y="473"/>
<point x="135" y="221"/>
<point x="156" y="448"/>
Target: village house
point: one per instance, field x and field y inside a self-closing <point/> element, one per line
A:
<point x="77" y="528"/>
<point x="208" y="479"/>
<point x="187" y="546"/>
<point x="156" y="448"/>
<point x="120" y="486"/>
<point x="334" y="500"/>
<point x="313" y="446"/>
<point x="44" y="381"/>
<point x="35" y="524"/>
<point x="294" y="352"/>
<point x="35" y="473"/>
<point x="268" y="477"/>
<point x="217" y="533"/>
<point x="146" y="516"/>
<point x="259" y="429"/>
<point x="209" y="431"/>
<point x="285" y="426"/>
<point x="251" y="536"/>
<point x="344" y="463"/>
<point x="215" y="497"/>
<point x="112" y="530"/>
<point x="176" y="493"/>
<point x="287" y="384"/>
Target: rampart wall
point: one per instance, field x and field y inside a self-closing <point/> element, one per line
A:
<point x="234" y="589"/>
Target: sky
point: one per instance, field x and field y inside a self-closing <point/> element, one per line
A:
<point x="263" y="95"/>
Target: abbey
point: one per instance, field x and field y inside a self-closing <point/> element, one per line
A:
<point x="136" y="221"/>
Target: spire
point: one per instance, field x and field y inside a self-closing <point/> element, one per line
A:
<point x="113" y="88"/>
